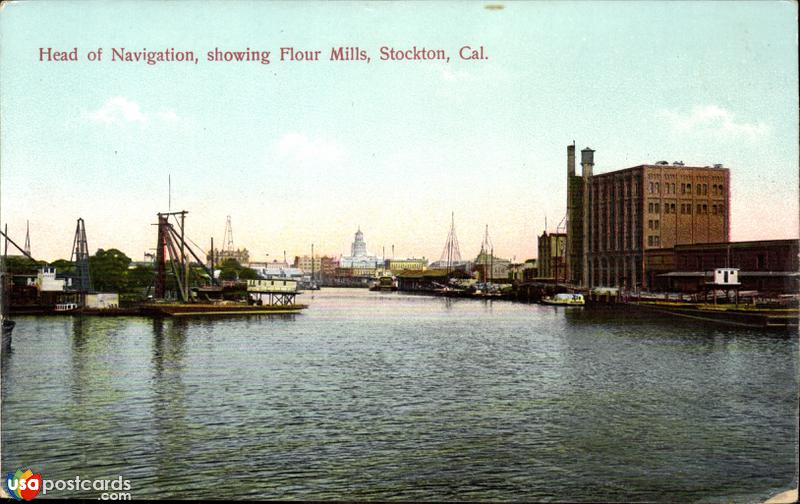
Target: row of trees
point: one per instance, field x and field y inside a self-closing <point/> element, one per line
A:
<point x="111" y="272"/>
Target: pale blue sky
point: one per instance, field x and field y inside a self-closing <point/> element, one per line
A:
<point x="305" y="152"/>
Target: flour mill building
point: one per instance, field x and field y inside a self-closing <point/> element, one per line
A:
<point x="614" y="218"/>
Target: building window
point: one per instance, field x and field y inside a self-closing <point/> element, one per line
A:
<point x="658" y="208"/>
<point x="713" y="209"/>
<point x="657" y="241"/>
<point x="705" y="209"/>
<point x="689" y="188"/>
<point x="649" y="241"/>
<point x="657" y="188"/>
<point x="672" y="207"/>
<point x="655" y="224"/>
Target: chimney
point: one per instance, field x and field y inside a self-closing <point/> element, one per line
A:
<point x="571" y="159"/>
<point x="587" y="162"/>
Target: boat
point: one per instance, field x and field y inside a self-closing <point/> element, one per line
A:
<point x="746" y="315"/>
<point x="217" y="309"/>
<point x="384" y="283"/>
<point x="565" y="299"/>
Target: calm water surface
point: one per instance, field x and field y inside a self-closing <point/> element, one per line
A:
<point x="390" y="396"/>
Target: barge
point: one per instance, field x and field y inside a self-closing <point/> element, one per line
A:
<point x="731" y="314"/>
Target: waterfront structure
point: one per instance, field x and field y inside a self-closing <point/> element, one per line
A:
<point x="47" y="292"/>
<point x="521" y="272"/>
<point x="276" y="269"/>
<point x="767" y="266"/>
<point x="398" y="265"/>
<point x="552" y="256"/>
<point x="452" y="265"/>
<point x="614" y="218"/>
<point x="490" y="268"/>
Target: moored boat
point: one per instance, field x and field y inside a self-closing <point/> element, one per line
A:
<point x="565" y="299"/>
<point x="214" y="309"/>
<point x="384" y="283"/>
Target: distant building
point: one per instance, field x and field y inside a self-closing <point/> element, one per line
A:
<point x="359" y="258"/>
<point x="614" y="218"/>
<point x="276" y="269"/>
<point x="327" y="267"/>
<point x="308" y="266"/>
<point x="465" y="266"/>
<point x="552" y="256"/>
<point x="398" y="265"/>
<point x="242" y="256"/>
<point x="521" y="272"/>
<point x="490" y="268"/>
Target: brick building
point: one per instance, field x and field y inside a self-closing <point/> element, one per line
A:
<point x="552" y="256"/>
<point x="768" y="266"/>
<point x="614" y="218"/>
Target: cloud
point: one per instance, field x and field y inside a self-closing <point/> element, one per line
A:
<point x="167" y="116"/>
<point x="121" y="110"/>
<point x="715" y="120"/>
<point x="301" y="148"/>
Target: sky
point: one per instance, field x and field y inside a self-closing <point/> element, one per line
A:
<point x="307" y="152"/>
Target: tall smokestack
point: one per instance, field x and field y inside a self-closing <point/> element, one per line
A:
<point x="587" y="161"/>
<point x="571" y="159"/>
<point x="587" y="164"/>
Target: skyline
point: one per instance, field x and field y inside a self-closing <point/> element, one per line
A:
<point x="301" y="153"/>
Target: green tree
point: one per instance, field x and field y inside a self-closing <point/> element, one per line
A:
<point x="229" y="269"/>
<point x="63" y="267"/>
<point x="21" y="264"/>
<point x="248" y="274"/>
<point x="108" y="270"/>
<point x="140" y="277"/>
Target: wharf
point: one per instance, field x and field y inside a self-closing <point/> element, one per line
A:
<point x="158" y="310"/>
<point x="740" y="315"/>
<point x="219" y="309"/>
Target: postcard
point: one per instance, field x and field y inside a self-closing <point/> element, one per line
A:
<point x="358" y="251"/>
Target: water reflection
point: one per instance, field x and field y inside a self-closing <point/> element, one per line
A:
<point x="370" y="396"/>
<point x="168" y="406"/>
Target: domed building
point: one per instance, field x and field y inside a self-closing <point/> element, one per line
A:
<point x="359" y="258"/>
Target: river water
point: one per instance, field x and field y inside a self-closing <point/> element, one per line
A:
<point x="391" y="396"/>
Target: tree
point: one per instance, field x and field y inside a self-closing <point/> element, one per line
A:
<point x="140" y="277"/>
<point x="248" y="274"/>
<point x="63" y="267"/>
<point x="21" y="265"/>
<point x="230" y="269"/>
<point x="108" y="270"/>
